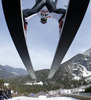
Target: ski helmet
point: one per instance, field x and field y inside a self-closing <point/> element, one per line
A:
<point x="43" y="20"/>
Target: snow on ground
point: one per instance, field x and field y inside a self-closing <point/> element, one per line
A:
<point x="54" y="98"/>
<point x="36" y="83"/>
<point x="85" y="72"/>
<point x="75" y="77"/>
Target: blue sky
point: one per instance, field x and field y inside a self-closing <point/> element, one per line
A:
<point x="42" y="40"/>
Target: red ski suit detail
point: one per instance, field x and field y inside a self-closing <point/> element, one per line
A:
<point x="60" y="24"/>
<point x="25" y="26"/>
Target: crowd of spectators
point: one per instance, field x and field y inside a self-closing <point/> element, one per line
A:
<point x="5" y="94"/>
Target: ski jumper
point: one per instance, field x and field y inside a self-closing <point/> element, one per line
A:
<point x="44" y="8"/>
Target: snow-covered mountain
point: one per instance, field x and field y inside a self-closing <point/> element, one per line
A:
<point x="88" y="52"/>
<point x="77" y="67"/>
<point x="8" y="71"/>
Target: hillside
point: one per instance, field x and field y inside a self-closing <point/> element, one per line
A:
<point x="8" y="71"/>
<point x="75" y="71"/>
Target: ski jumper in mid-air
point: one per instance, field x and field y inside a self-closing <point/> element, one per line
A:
<point x="45" y="9"/>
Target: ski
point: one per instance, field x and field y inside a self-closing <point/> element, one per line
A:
<point x="73" y="18"/>
<point x="14" y="19"/>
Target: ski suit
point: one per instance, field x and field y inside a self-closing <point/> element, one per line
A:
<point x="41" y="4"/>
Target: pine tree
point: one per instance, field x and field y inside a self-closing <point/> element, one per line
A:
<point x="1" y="82"/>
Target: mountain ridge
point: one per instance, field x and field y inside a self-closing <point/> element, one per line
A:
<point x="75" y="69"/>
<point x="8" y="71"/>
